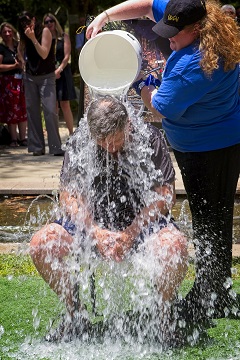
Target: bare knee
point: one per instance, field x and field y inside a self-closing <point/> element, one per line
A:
<point x="51" y="239"/>
<point x="172" y="254"/>
<point x="171" y="242"/>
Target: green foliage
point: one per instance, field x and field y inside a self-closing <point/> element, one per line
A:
<point x="10" y="10"/>
<point x="16" y="265"/>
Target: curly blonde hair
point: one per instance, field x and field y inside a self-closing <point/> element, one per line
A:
<point x="219" y="40"/>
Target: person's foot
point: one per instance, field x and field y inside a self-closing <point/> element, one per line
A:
<point x="155" y="326"/>
<point x="39" y="153"/>
<point x="77" y="328"/>
<point x="23" y="142"/>
<point x="180" y="334"/>
<point x="69" y="329"/>
<point x="14" y="144"/>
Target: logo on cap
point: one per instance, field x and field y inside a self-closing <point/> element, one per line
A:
<point x="173" y="17"/>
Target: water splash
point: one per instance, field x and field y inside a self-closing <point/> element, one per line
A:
<point x="128" y="299"/>
<point x="124" y="291"/>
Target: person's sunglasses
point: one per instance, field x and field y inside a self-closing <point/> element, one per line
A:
<point x="49" y="22"/>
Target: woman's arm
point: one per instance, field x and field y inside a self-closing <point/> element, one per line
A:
<point x="130" y="9"/>
<point x="147" y="94"/>
<point x="8" y="67"/>
<point x="46" y="41"/>
<point x="67" y="53"/>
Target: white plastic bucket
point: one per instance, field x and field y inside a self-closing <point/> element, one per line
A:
<point x="110" y="62"/>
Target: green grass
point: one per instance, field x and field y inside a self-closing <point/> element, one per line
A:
<point x="27" y="305"/>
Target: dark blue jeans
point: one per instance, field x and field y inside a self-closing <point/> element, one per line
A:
<point x="210" y="179"/>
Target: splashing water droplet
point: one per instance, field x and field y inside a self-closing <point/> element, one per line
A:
<point x="208" y="251"/>
<point x="228" y="283"/>
<point x="123" y="199"/>
<point x="1" y="330"/>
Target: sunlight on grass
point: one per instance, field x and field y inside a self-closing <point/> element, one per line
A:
<point x="27" y="306"/>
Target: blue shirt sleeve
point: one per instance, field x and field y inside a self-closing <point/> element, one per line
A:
<point x="158" y="9"/>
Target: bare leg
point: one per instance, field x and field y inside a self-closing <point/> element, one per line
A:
<point x="67" y="114"/>
<point x="22" y="127"/>
<point x="48" y="249"/>
<point x="13" y="131"/>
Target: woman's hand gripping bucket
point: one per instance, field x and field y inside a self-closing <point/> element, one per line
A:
<point x="110" y="62"/>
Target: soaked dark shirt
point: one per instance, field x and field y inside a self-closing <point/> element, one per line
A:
<point x="116" y="190"/>
<point x="35" y="64"/>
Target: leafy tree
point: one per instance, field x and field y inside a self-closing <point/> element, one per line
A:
<point x="9" y="12"/>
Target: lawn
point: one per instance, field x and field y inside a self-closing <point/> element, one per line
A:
<point x="27" y="305"/>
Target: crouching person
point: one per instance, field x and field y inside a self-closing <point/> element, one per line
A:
<point x="117" y="191"/>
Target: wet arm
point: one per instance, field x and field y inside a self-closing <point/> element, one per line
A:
<point x="115" y="245"/>
<point x="112" y="244"/>
<point x="74" y="207"/>
<point x="151" y="213"/>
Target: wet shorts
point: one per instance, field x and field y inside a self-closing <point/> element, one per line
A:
<point x="153" y="228"/>
<point x="69" y="226"/>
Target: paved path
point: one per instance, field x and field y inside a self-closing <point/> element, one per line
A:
<point x="22" y="173"/>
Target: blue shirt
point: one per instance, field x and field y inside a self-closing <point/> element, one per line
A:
<point x="201" y="113"/>
<point x="158" y="8"/>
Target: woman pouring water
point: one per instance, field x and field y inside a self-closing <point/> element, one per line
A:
<point x="199" y="103"/>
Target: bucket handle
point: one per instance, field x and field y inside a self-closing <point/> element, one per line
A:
<point x="133" y="38"/>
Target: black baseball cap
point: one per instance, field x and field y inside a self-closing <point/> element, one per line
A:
<point x="177" y="15"/>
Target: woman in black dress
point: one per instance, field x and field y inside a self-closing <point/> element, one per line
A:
<point x="64" y="79"/>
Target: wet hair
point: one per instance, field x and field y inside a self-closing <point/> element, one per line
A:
<point x="14" y="31"/>
<point x="25" y="20"/>
<point x="219" y="40"/>
<point x="106" y="115"/>
<point x="58" y="27"/>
